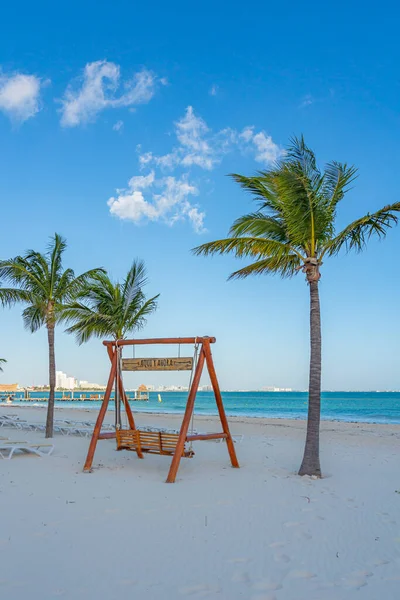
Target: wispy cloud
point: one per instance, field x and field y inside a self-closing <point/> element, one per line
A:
<point x="200" y="147"/>
<point x="155" y="197"/>
<point x="118" y="126"/>
<point x="265" y="150"/>
<point x="20" y="96"/>
<point x="99" y="88"/>
<point x="213" y="91"/>
<point x="307" y="100"/>
<point x="197" y="145"/>
<point x="150" y="199"/>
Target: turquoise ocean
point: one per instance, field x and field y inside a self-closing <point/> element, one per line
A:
<point x="365" y="407"/>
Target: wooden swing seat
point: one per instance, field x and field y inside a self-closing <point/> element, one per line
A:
<point x="151" y="442"/>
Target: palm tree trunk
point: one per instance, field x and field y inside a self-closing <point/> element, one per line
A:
<point x="310" y="464"/>
<point x="52" y="381"/>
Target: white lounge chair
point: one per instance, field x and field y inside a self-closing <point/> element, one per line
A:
<point x="7" y="449"/>
<point x="10" y="421"/>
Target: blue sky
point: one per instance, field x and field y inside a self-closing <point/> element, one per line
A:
<point x="118" y="126"/>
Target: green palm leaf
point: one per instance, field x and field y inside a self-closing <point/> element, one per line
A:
<point x="356" y="235"/>
<point x="292" y="230"/>
<point x="40" y="283"/>
<point x="107" y="309"/>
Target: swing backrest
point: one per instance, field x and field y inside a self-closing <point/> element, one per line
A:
<point x="151" y="442"/>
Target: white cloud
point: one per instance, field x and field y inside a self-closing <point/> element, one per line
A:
<point x="19" y="96"/>
<point x="118" y="126"/>
<point x="167" y="199"/>
<point x="213" y="91"/>
<point x="145" y="158"/>
<point x="140" y="182"/>
<point x="197" y="218"/>
<point x="307" y="101"/>
<point x="139" y="90"/>
<point x="98" y="90"/>
<point x="198" y="146"/>
<point x="247" y="134"/>
<point x="100" y="79"/>
<point x="191" y="131"/>
<point x="265" y="150"/>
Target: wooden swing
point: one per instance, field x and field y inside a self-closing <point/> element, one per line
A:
<point x="177" y="445"/>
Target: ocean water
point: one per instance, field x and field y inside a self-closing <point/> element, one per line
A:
<point x="366" y="407"/>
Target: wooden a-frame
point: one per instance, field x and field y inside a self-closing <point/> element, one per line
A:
<point x="204" y="357"/>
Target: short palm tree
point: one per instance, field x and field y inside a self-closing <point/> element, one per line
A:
<point x="107" y="309"/>
<point x="2" y="362"/>
<point x="41" y="283"/>
<point x="294" y="229"/>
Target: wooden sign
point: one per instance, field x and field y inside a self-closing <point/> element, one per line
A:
<point x="157" y="364"/>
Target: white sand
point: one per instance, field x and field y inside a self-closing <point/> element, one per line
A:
<point x="257" y="533"/>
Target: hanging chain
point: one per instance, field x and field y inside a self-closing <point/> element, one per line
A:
<point x="195" y="359"/>
<point x="116" y="391"/>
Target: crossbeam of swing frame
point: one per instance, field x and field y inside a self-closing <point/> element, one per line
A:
<point x="109" y="435"/>
<point x="204" y="358"/>
<point x="161" y="341"/>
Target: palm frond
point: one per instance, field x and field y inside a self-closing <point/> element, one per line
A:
<point x="55" y="250"/>
<point x="11" y="296"/>
<point x="69" y="286"/>
<point x="2" y="362"/>
<point x="272" y="265"/>
<point x="106" y="309"/>
<point x="34" y="316"/>
<point x="19" y="271"/>
<point x="259" y="225"/>
<point x="337" y="179"/>
<point x="296" y="216"/>
<point x="247" y="246"/>
<point x="356" y="235"/>
<point x="136" y="319"/>
<point x="86" y="323"/>
<point x="263" y="188"/>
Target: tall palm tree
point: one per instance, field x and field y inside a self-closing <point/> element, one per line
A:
<point x="42" y="284"/>
<point x="2" y="361"/>
<point x="107" y="309"/>
<point x="294" y="229"/>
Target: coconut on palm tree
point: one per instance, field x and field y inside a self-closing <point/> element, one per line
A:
<point x="42" y="284"/>
<point x="294" y="229"/>
<point x="104" y="308"/>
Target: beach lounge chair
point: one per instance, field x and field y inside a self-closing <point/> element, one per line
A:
<point x="9" y="421"/>
<point x="7" y="449"/>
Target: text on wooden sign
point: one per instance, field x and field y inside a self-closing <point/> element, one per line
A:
<point x="157" y="364"/>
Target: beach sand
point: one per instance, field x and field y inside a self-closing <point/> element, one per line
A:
<point x="257" y="533"/>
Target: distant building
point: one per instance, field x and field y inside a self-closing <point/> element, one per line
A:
<point x="276" y="389"/>
<point x="65" y="382"/>
<point x="86" y="385"/>
<point x="8" y="387"/>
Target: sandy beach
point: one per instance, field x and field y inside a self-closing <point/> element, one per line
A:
<point x="258" y="533"/>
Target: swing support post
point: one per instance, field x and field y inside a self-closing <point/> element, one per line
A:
<point x="220" y="404"/>
<point x="115" y="379"/>
<point x="97" y="428"/>
<point x="186" y="420"/>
